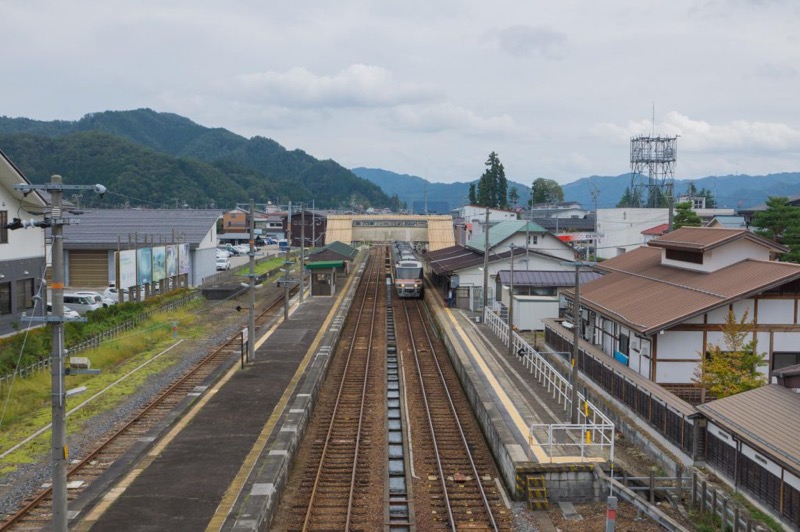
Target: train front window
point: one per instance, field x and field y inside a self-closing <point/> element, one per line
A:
<point x="407" y="273"/>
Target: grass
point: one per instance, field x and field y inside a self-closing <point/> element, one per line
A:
<point x="28" y="409"/>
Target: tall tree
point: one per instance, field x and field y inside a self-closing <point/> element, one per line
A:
<point x="630" y="199"/>
<point x="546" y="191"/>
<point x="685" y="216"/>
<point x="473" y="196"/>
<point x="493" y="185"/>
<point x="773" y="222"/>
<point x="733" y="367"/>
<point x="513" y="196"/>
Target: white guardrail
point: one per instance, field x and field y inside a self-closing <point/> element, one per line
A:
<point x="593" y="435"/>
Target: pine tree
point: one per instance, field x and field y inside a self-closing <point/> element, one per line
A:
<point x="493" y="186"/>
<point x="473" y="196"/>
<point x="685" y="216"/>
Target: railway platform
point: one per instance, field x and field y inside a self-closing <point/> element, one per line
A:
<point x="230" y="448"/>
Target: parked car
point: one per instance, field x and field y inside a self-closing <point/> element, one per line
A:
<point x="81" y="304"/>
<point x="230" y="248"/>
<point x="68" y="312"/>
<point x="100" y="298"/>
<point x="243" y="249"/>
<point x="223" y="264"/>
<point x="112" y="293"/>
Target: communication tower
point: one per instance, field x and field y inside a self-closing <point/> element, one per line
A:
<point x="653" y="162"/>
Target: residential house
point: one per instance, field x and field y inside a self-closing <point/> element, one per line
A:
<point x="22" y="251"/>
<point x="658" y="308"/>
<point x="308" y="228"/>
<point x="473" y="218"/>
<point x="654" y="232"/>
<point x="461" y="267"/>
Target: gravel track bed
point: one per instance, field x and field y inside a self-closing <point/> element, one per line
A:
<point x="220" y="324"/>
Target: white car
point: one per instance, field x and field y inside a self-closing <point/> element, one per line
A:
<point x="99" y="298"/>
<point x="223" y="264"/>
<point x="112" y="293"/>
<point x="68" y="312"/>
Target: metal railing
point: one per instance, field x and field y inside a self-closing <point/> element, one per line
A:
<point x="592" y="425"/>
<point x="97" y="340"/>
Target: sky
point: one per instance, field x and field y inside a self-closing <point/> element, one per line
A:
<point x="431" y="87"/>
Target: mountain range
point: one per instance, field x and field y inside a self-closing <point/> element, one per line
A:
<point x="148" y="158"/>
<point x="729" y="191"/>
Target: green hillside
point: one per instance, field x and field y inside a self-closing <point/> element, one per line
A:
<point x="147" y="157"/>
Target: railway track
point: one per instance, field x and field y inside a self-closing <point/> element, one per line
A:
<point x="457" y="487"/>
<point x="334" y="491"/>
<point x="36" y="512"/>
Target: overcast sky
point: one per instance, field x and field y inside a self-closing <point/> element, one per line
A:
<point x="431" y="87"/>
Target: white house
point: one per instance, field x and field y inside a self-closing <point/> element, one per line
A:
<point x="22" y="251"/>
<point x="620" y="230"/>
<point x="658" y="308"/>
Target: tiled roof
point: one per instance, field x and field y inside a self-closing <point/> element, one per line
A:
<point x="339" y="248"/>
<point x="657" y="230"/>
<point x="108" y="228"/>
<point x="549" y="278"/>
<point x="729" y="222"/>
<point x="648" y="297"/>
<point x="502" y="231"/>
<point x="705" y="238"/>
<point x="448" y="260"/>
<point x="760" y="416"/>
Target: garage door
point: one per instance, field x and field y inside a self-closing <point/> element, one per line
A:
<point x="88" y="269"/>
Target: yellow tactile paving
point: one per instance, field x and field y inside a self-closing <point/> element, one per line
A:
<point x="509" y="405"/>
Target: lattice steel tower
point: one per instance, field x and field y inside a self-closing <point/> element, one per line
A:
<point x="653" y="162"/>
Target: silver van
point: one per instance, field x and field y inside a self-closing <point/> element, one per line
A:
<point x="81" y="303"/>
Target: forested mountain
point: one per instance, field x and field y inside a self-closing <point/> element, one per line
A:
<point x="145" y="157"/>
<point x="730" y="191"/>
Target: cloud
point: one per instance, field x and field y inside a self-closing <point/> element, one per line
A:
<point x="525" y="41"/>
<point x="447" y="116"/>
<point x="356" y="86"/>
<point x="776" y="72"/>
<point x="702" y="136"/>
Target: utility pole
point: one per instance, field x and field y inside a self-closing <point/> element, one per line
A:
<point x="58" y="446"/>
<point x="576" y="336"/>
<point x="511" y="306"/>
<point x="313" y="225"/>
<point x="486" y="262"/>
<point x="287" y="263"/>
<point x="251" y="326"/>
<point x="58" y="394"/>
<point x="302" y="249"/>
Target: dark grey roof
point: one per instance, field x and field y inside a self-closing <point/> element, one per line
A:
<point x="548" y="279"/>
<point x="562" y="225"/>
<point x="339" y="248"/>
<point x="106" y="228"/>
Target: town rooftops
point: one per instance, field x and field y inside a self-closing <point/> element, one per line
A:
<point x="109" y="228"/>
<point x="647" y="296"/>
<point x="761" y="416"/>
<point x="449" y="260"/>
<point x="706" y="238"/>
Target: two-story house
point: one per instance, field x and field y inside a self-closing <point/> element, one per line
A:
<point x="658" y="308"/>
<point x="22" y="251"/>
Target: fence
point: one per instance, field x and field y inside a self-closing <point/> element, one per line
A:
<point x="594" y="431"/>
<point x="98" y="339"/>
<point x="670" y="420"/>
<point x="708" y="499"/>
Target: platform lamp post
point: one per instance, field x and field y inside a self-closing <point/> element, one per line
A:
<point x="59" y="393"/>
<point x="511" y="306"/>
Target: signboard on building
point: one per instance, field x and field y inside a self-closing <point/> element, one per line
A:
<point x="144" y="266"/>
<point x="127" y="268"/>
<point x="159" y="263"/>
<point x="172" y="261"/>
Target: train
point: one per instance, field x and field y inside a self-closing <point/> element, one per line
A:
<point x="408" y="277"/>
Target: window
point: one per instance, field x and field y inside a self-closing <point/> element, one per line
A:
<point x="624" y="344"/>
<point x="695" y="257"/>
<point x="782" y="360"/>
<point x="3" y="230"/>
<point x="5" y="298"/>
<point x="533" y="240"/>
<point x="24" y="294"/>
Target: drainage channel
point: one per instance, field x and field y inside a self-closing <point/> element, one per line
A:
<point x="400" y="514"/>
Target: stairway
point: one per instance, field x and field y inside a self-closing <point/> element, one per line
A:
<point x="537" y="492"/>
